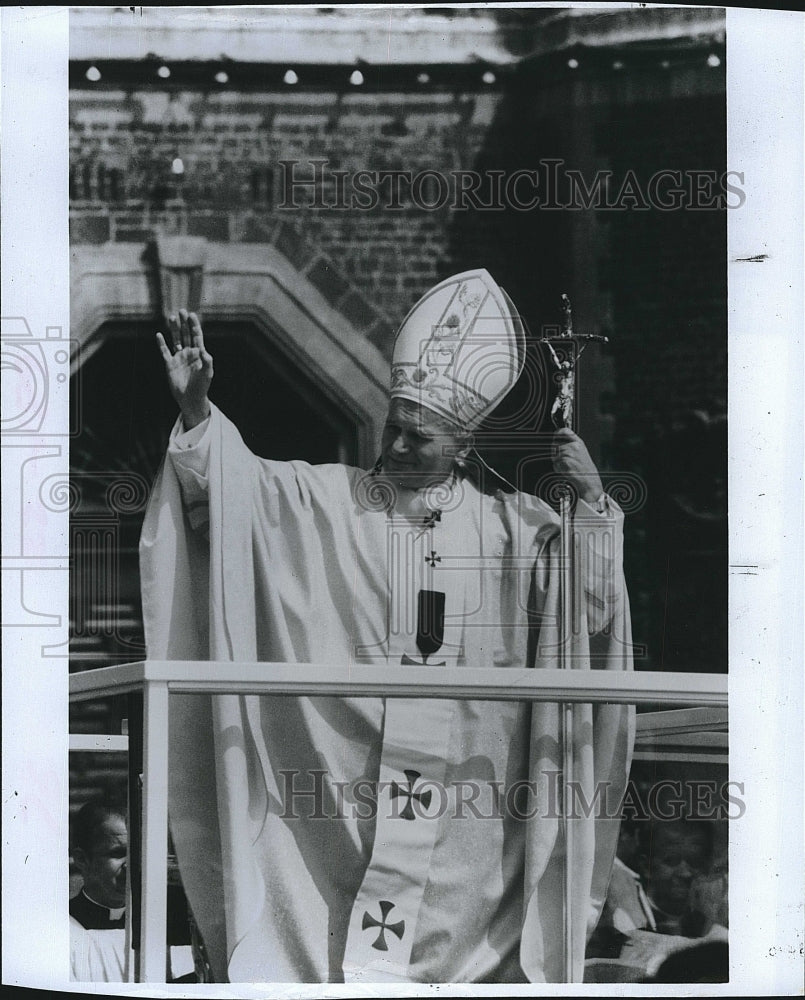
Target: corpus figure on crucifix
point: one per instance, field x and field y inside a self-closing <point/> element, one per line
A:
<point x="565" y="377"/>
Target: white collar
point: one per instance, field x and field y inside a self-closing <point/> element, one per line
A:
<point x="115" y="913"/>
<point x="424" y="503"/>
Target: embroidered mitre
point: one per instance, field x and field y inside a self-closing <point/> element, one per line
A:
<point x="460" y="349"/>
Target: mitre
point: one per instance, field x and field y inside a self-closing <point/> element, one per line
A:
<point x="460" y="349"/>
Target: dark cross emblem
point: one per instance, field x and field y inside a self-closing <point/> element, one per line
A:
<point x="398" y="790"/>
<point x="369" y="921"/>
<point x="432" y="559"/>
<point x="432" y="518"/>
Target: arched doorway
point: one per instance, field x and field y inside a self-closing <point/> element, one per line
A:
<point x="296" y="377"/>
<point x="126" y="416"/>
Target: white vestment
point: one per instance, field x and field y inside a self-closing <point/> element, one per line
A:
<point x="97" y="956"/>
<point x="245" y="559"/>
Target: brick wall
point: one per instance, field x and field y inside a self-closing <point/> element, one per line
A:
<point x="231" y="144"/>
<point x="667" y="274"/>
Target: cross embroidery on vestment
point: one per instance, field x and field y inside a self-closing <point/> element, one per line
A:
<point x="369" y="921"/>
<point x="397" y="790"/>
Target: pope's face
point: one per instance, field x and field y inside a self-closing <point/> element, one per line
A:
<point x="419" y="448"/>
<point x="104" y="865"/>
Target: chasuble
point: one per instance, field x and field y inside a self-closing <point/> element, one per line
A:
<point x="378" y="840"/>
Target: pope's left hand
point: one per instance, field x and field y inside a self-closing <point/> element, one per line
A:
<point x="572" y="460"/>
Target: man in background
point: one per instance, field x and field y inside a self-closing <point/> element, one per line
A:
<point x="666" y="891"/>
<point x="100" y="842"/>
<point x="97" y="912"/>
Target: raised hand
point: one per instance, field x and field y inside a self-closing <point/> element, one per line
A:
<point x="188" y="366"/>
<point x="571" y="458"/>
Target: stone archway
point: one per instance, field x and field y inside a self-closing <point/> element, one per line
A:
<point x="119" y="290"/>
<point x="252" y="283"/>
<point x="251" y="292"/>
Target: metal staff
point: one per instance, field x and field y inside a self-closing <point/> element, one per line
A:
<point x="563" y="415"/>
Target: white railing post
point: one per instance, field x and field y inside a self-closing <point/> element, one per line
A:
<point x="152" y="954"/>
<point x="566" y="635"/>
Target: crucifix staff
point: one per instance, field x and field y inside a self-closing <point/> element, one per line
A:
<point x="563" y="415"/>
<point x="562" y="410"/>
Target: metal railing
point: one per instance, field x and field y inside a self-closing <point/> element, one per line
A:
<point x="697" y="733"/>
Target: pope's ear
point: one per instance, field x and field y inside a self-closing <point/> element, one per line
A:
<point x="80" y="859"/>
<point x="465" y="445"/>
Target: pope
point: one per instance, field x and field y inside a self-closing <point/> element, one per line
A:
<point x="369" y="839"/>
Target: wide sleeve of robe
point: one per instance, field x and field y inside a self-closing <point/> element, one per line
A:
<point x="574" y="852"/>
<point x="262" y="587"/>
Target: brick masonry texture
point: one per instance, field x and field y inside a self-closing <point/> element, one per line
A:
<point x="231" y="147"/>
